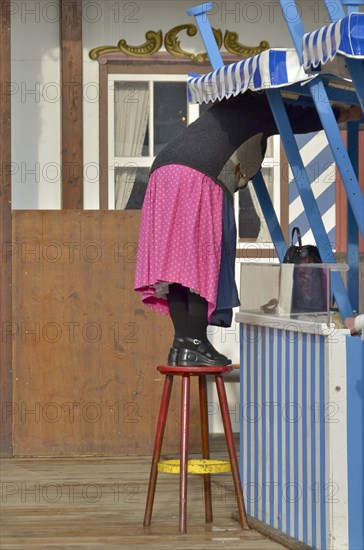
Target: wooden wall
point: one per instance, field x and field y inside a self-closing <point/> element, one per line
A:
<point x="85" y="348"/>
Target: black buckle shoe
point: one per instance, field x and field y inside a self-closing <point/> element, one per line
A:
<point x="203" y="355"/>
<point x="173" y="357"/>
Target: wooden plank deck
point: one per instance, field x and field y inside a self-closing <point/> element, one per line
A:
<point x="98" y="503"/>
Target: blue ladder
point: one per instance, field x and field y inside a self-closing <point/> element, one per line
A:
<point x="346" y="162"/>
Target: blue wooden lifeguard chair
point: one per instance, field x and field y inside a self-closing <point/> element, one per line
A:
<point x="320" y="458"/>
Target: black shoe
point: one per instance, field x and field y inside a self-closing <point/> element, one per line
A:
<point x="172" y="360"/>
<point x="203" y="354"/>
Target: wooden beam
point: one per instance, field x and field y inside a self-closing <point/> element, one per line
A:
<point x="5" y="224"/>
<point x="72" y="112"/>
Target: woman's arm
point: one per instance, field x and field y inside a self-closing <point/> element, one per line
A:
<point x="305" y="119"/>
<point x="355" y="324"/>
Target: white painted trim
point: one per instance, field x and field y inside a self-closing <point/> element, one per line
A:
<point x="336" y="446"/>
<point x="142" y="161"/>
<point x="193" y="112"/>
<point x="287" y="323"/>
<point x="151" y="118"/>
<point x="147" y="76"/>
<point x="111" y="143"/>
<point x="276" y="165"/>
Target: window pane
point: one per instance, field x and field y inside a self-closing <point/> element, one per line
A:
<point x="130" y="186"/>
<point x="170" y="112"/>
<point x="136" y="198"/>
<point x="252" y="225"/>
<point x="249" y="222"/>
<point x="131" y="118"/>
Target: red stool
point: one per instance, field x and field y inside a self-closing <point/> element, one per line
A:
<point x="201" y="372"/>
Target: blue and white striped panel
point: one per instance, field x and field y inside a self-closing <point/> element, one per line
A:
<point x="320" y="166"/>
<point x="270" y="69"/>
<point x="345" y="37"/>
<point x="283" y="431"/>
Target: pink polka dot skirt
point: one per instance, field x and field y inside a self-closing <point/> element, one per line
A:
<point x="180" y="236"/>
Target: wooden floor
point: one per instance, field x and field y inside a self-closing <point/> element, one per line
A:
<point x="98" y="503"/>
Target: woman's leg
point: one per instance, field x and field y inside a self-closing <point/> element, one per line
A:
<point x="197" y="317"/>
<point x="178" y="308"/>
<point x="191" y="346"/>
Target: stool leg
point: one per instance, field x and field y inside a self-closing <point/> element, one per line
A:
<point x="185" y="412"/>
<point x="205" y="445"/>
<point x="163" y="410"/>
<point x="231" y="448"/>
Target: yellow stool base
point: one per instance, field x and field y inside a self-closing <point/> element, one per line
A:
<point x="195" y="466"/>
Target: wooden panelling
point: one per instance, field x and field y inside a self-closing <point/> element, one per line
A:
<point x="72" y="98"/>
<point x="85" y="347"/>
<point x="5" y="228"/>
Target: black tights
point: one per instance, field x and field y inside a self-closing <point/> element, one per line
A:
<point x="188" y="312"/>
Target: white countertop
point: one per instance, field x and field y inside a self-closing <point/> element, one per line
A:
<point x="304" y="323"/>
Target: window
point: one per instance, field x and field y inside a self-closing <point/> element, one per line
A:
<point x="145" y="113"/>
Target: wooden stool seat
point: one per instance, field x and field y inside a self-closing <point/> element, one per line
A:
<point x="204" y="466"/>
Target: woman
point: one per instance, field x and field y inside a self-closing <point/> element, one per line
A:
<point x="187" y="241"/>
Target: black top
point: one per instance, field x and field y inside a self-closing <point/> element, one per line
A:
<point x="231" y="132"/>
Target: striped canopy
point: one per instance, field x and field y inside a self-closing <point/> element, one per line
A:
<point x="345" y="37"/>
<point x="271" y="69"/>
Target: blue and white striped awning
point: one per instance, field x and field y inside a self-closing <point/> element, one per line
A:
<point x="271" y="69"/>
<point x="345" y="37"/>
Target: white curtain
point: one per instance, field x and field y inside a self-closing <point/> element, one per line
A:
<point x="131" y="120"/>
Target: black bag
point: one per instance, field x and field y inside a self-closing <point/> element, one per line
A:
<point x="298" y="254"/>
<point x="309" y="292"/>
